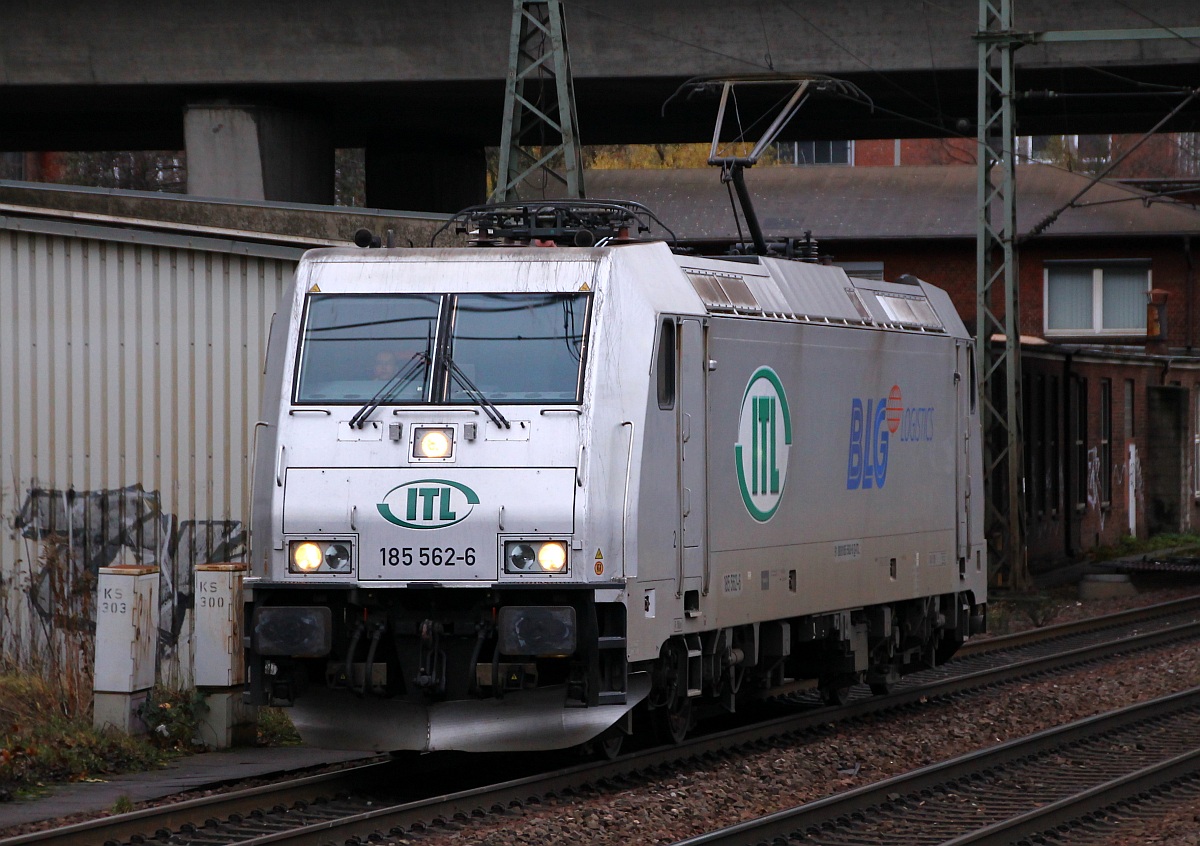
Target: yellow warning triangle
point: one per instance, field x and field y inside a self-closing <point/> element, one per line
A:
<point x="599" y="555"/>
<point x="584" y="287"/>
<point x="314" y="289"/>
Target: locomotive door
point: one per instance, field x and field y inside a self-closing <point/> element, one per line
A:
<point x="692" y="436"/>
<point x="966" y="387"/>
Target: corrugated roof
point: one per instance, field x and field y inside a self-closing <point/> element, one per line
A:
<point x="844" y="203"/>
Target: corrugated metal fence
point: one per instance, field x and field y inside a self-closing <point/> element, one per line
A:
<point x="130" y="368"/>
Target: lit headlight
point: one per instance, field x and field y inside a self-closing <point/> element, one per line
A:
<point x="552" y="557"/>
<point x="306" y="557"/>
<point x="535" y="557"/>
<point x="312" y="557"/>
<point x="433" y="442"/>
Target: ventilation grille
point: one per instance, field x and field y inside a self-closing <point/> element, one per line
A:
<point x="725" y="292"/>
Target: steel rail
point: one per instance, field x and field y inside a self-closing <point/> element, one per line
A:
<point x="1044" y="633"/>
<point x="122" y="827"/>
<point x="1073" y="808"/>
<point x="468" y="802"/>
<point x="857" y="805"/>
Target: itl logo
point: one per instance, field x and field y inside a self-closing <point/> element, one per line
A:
<point x="764" y="439"/>
<point x="428" y="504"/>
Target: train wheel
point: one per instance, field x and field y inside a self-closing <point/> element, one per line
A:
<point x="674" y="721"/>
<point x="946" y="647"/>
<point x="834" y="694"/>
<point x="610" y="747"/>
<point x="671" y="706"/>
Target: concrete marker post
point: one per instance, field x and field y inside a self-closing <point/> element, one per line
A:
<point x="218" y="664"/>
<point x="126" y="645"/>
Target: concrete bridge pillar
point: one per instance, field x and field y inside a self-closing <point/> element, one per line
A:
<point x="257" y="153"/>
<point x="437" y="179"/>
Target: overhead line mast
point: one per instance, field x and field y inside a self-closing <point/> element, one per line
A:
<point x="1000" y="369"/>
<point x="539" y="67"/>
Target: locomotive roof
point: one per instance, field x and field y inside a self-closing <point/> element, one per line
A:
<point x="743" y="286"/>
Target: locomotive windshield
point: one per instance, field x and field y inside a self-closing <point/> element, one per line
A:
<point x="519" y="347"/>
<point x="512" y="348"/>
<point x="354" y="344"/>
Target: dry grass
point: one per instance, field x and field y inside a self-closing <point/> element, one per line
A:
<point x="39" y="743"/>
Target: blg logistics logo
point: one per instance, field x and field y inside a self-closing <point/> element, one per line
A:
<point x="764" y="440"/>
<point x="873" y="423"/>
<point x="428" y="504"/>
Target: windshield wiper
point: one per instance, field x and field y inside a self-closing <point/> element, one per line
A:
<point x="391" y="388"/>
<point x="474" y="393"/>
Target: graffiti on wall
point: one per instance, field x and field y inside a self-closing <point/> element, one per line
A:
<point x="1093" y="483"/>
<point x="128" y="526"/>
<point x="1134" y="490"/>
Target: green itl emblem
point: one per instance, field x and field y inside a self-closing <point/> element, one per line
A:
<point x="428" y="504"/>
<point x="764" y="439"/>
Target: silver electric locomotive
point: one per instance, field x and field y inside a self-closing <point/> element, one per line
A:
<point x="517" y="494"/>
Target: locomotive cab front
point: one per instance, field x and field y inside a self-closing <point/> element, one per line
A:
<point x="416" y="528"/>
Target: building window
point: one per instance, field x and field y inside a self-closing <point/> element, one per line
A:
<point x="1047" y="149"/>
<point x="815" y="152"/>
<point x="1088" y="298"/>
<point x="862" y="269"/>
<point x="1106" y="459"/>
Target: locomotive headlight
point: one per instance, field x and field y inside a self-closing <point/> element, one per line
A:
<point x="337" y="557"/>
<point x="552" y="557"/>
<point x="520" y="558"/>
<point x="320" y="557"/>
<point x="433" y="442"/>
<point x="535" y="557"/>
<point x="306" y="557"/>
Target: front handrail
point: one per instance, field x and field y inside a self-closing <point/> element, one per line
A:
<point x="625" y="501"/>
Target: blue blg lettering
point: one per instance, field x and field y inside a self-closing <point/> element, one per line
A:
<point x="866" y="465"/>
<point x="854" y="470"/>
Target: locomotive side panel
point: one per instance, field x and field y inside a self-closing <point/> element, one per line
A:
<point x="832" y="468"/>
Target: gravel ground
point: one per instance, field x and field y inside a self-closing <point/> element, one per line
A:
<point x="702" y="798"/>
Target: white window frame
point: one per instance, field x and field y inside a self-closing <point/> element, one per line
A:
<point x="792" y="157"/>
<point x="1096" y="328"/>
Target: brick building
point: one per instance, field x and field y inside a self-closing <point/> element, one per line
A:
<point x="1111" y="411"/>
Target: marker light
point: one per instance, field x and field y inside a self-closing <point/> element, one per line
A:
<point x="306" y="556"/>
<point x="429" y="442"/>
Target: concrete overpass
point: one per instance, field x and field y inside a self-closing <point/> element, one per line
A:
<point x="264" y="89"/>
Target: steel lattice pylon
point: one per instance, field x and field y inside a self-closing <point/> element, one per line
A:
<point x="538" y="54"/>
<point x="1000" y="372"/>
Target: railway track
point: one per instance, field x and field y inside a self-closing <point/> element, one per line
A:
<point x="393" y="797"/>
<point x="1018" y="792"/>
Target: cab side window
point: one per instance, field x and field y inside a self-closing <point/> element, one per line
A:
<point x="666" y="365"/>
